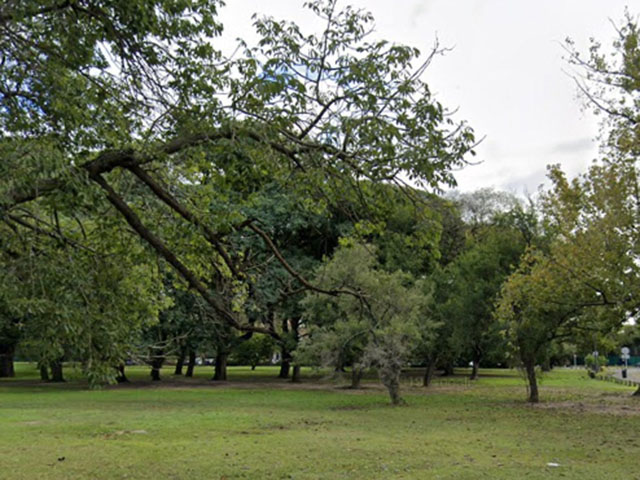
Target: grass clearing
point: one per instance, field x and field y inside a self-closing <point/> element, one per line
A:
<point x="256" y="426"/>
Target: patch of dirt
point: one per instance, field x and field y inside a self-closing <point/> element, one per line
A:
<point x="605" y="405"/>
<point x="171" y="384"/>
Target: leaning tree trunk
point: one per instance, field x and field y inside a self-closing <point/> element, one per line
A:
<point x="6" y="361"/>
<point x="530" y="368"/>
<point x="192" y="363"/>
<point x="428" y="373"/>
<point x="44" y="373"/>
<point x="220" y="370"/>
<point x="56" y="371"/>
<point x="637" y="392"/>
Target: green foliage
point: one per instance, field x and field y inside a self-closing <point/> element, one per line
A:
<point x="591" y="364"/>
<point x="258" y="349"/>
<point x="372" y="321"/>
<point x="128" y="100"/>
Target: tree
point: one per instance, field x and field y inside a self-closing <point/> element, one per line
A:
<point x="83" y="295"/>
<point x="474" y="280"/>
<point x="162" y="112"/>
<point x="586" y="278"/>
<point x="259" y="349"/>
<point x="374" y="320"/>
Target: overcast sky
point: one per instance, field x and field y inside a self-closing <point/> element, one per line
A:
<point x="505" y="75"/>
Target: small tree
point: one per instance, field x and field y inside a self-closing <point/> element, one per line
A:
<point x="252" y="352"/>
<point x="373" y="318"/>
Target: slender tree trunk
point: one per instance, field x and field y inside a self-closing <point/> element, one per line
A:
<point x="253" y="367"/>
<point x="6" y="361"/>
<point x="474" y="371"/>
<point x="295" y="376"/>
<point x="530" y="367"/>
<point x="121" y="377"/>
<point x="180" y="362"/>
<point x="44" y="373"/>
<point x="477" y="358"/>
<point x="356" y="377"/>
<point x="220" y="370"/>
<point x="637" y="392"/>
<point x="191" y="364"/>
<point x="156" y="364"/>
<point x="394" y="393"/>
<point x="56" y="371"/>
<point x="391" y="379"/>
<point x="428" y="373"/>
<point x="285" y="364"/>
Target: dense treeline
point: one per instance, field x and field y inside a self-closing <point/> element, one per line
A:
<point x="159" y="200"/>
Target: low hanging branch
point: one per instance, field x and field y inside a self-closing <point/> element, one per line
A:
<point x="173" y="203"/>
<point x="190" y="277"/>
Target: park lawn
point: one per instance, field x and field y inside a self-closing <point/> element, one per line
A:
<point x="256" y="427"/>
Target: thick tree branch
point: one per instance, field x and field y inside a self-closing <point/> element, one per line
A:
<point x="173" y="203"/>
<point x="108" y="161"/>
<point x="190" y="277"/>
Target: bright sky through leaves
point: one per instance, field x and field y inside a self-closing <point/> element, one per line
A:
<point x="505" y="74"/>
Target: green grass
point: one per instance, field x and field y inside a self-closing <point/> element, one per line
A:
<point x="255" y="426"/>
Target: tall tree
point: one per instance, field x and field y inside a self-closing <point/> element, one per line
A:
<point x="121" y="98"/>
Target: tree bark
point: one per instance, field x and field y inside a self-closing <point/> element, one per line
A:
<point x="428" y="373"/>
<point x="474" y="370"/>
<point x="6" y="361"/>
<point x="44" y="373"/>
<point x="477" y="357"/>
<point x="285" y="366"/>
<point x="192" y="363"/>
<point x="637" y="392"/>
<point x="156" y="364"/>
<point x="220" y="370"/>
<point x="392" y="382"/>
<point x="356" y="377"/>
<point x="295" y="376"/>
<point x="285" y="363"/>
<point x="180" y="362"/>
<point x="530" y="368"/>
<point x="56" y="371"/>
